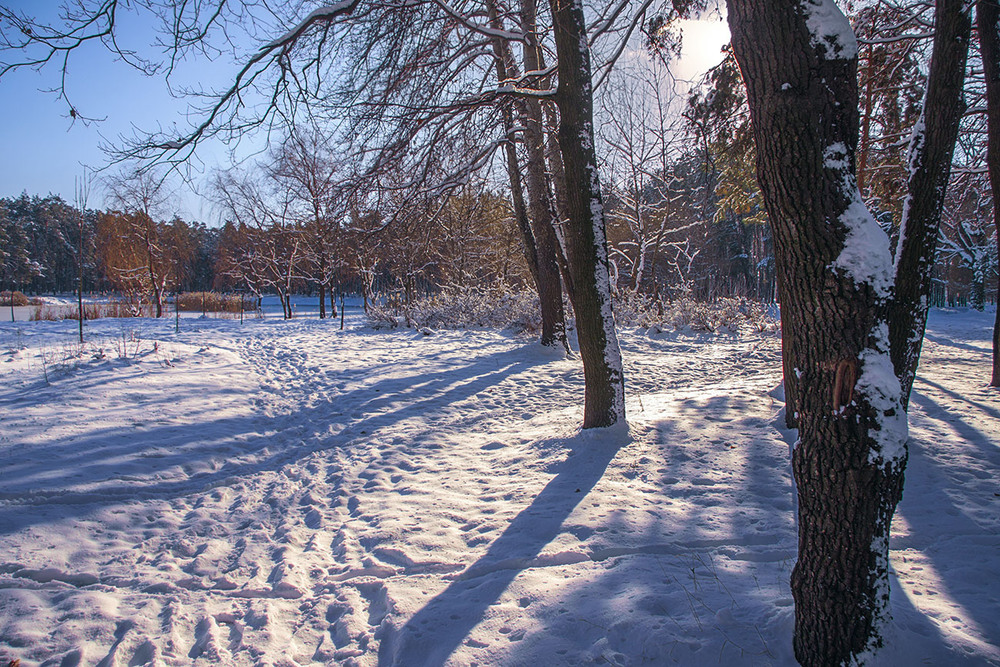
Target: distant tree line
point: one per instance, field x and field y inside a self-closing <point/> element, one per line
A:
<point x="692" y="227"/>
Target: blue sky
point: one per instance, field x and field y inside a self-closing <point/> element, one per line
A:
<point x="45" y="152"/>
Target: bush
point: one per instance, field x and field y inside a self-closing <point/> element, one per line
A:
<point x="18" y="298"/>
<point x="724" y="315"/>
<point x="462" y="308"/>
<point x="92" y="311"/>
<point x="214" y="302"/>
<point x="499" y="308"/>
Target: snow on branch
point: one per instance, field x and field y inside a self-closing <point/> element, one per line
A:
<point x="478" y="27"/>
<point x="830" y="29"/>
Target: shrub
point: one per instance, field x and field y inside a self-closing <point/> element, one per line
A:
<point x="461" y="308"/>
<point x="18" y="298"/>
<point x="214" y="302"/>
<point x="726" y="314"/>
<point x="499" y="308"/>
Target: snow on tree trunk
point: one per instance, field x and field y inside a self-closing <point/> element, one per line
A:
<point x="931" y="148"/>
<point x="988" y="25"/>
<point x="799" y="63"/>
<point x="586" y="245"/>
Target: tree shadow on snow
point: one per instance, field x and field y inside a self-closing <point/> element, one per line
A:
<point x="968" y="346"/>
<point x="944" y="527"/>
<point x="431" y="635"/>
<point x="930" y="406"/>
<point x="700" y="574"/>
<point x="110" y="465"/>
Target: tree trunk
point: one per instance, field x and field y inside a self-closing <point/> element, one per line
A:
<point x="587" y="250"/>
<point x="543" y="215"/>
<point x="988" y="27"/>
<point x="517" y="198"/>
<point x="931" y="149"/>
<point x="322" y="300"/>
<point x="500" y="58"/>
<point x="835" y="277"/>
<point x="79" y="274"/>
<point x="537" y="218"/>
<point x="557" y="177"/>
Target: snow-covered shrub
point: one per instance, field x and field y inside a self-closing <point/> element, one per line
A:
<point x="463" y="308"/>
<point x="499" y="308"/>
<point x="382" y="317"/>
<point x="726" y="315"/>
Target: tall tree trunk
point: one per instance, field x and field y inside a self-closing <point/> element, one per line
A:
<point x="535" y="221"/>
<point x="835" y="277"/>
<point x="866" y="124"/>
<point x="543" y="213"/>
<point x="585" y="237"/>
<point x="322" y="300"/>
<point x="988" y="27"/>
<point x="931" y="149"/>
<point x="557" y="178"/>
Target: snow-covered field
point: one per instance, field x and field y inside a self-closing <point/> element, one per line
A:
<point x="287" y="493"/>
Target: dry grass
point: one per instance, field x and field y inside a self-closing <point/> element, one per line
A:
<point x="214" y="302"/>
<point x="92" y="311"/>
<point x="19" y="298"/>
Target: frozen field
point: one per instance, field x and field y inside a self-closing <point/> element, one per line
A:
<point x="287" y="493"/>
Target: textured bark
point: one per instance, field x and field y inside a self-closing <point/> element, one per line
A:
<point x="586" y="245"/>
<point x="930" y="167"/>
<point x="803" y="99"/>
<point x="789" y="376"/>
<point x="536" y="219"/>
<point x="988" y="27"/>
<point x="542" y="209"/>
<point x="557" y="177"/>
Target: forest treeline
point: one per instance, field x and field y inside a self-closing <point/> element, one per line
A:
<point x="695" y="232"/>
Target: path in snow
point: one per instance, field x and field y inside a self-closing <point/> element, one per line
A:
<point x="288" y="493"/>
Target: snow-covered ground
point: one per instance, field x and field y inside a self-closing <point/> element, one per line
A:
<point x="287" y="493"/>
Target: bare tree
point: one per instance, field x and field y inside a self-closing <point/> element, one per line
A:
<point x="304" y="165"/>
<point x="82" y="195"/>
<point x="638" y="133"/>
<point x="401" y="77"/>
<point x="142" y="195"/>
<point x="268" y="246"/>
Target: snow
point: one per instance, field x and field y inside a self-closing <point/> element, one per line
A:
<point x="830" y="30"/>
<point x="865" y="256"/>
<point x="878" y="383"/>
<point x="323" y="12"/>
<point x="287" y="493"/>
<point x="918" y="136"/>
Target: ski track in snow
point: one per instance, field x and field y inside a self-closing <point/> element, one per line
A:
<point x="286" y="493"/>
